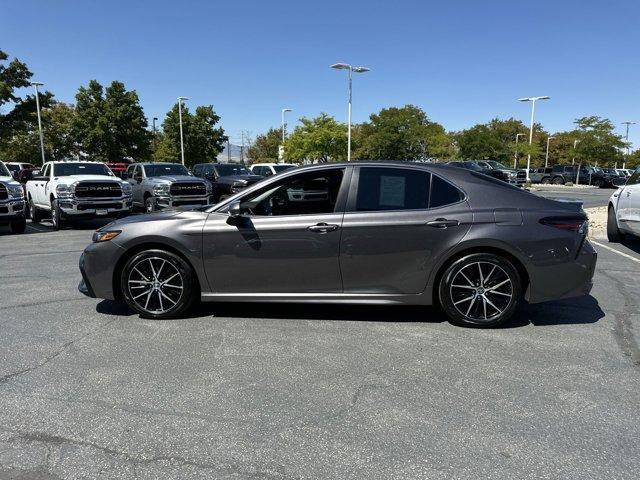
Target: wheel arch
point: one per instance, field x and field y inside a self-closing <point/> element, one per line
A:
<point x="149" y="245"/>
<point x="471" y="249"/>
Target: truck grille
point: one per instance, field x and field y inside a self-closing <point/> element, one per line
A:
<point x="521" y="174"/>
<point x="98" y="190"/>
<point x="3" y="192"/>
<point x="195" y="188"/>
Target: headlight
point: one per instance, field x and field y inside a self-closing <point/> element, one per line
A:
<point x="513" y="174"/>
<point x="126" y="188"/>
<point x="161" y="189"/>
<point x="64" y="191"/>
<point x="207" y="185"/>
<point x="15" y="191"/>
<point x="105" y="236"/>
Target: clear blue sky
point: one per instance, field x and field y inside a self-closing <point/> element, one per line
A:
<point x="463" y="62"/>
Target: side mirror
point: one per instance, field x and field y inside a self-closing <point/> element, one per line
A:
<point x="138" y="178"/>
<point x="234" y="210"/>
<point x="124" y="176"/>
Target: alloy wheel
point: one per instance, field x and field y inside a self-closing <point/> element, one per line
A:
<point x="481" y="291"/>
<point x="155" y="285"/>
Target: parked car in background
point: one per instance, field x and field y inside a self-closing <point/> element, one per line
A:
<point x="76" y="190"/>
<point x="118" y="168"/>
<point x="517" y="176"/>
<point x="268" y="169"/>
<point x="165" y="185"/>
<point x="227" y="178"/>
<point x="623" y="172"/>
<point x="22" y="177"/>
<point x="541" y="175"/>
<point x="472" y="165"/>
<point x="382" y="233"/>
<point x="12" y="205"/>
<point x="611" y="177"/>
<point x="562" y="174"/>
<point x="15" y="167"/>
<point x="624" y="210"/>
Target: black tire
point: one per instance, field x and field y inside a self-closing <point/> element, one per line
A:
<point x="467" y="300"/>
<point x="18" y="226"/>
<point x="57" y="218"/>
<point x="613" y="232"/>
<point x="558" y="181"/>
<point x="34" y="212"/>
<point x="598" y="182"/>
<point x="155" y="300"/>
<point x="149" y="205"/>
<point x="546" y="180"/>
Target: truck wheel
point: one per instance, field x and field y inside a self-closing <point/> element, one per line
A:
<point x="18" y="226"/>
<point x="558" y="181"/>
<point x="34" y="213"/>
<point x="598" y="182"/>
<point x="56" y="216"/>
<point x="546" y="180"/>
<point x="613" y="232"/>
<point x="149" y="205"/>
<point x="158" y="284"/>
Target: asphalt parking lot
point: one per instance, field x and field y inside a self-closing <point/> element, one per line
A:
<point x="590" y="197"/>
<point x="89" y="390"/>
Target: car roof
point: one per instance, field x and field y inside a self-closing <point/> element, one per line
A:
<point x="156" y="163"/>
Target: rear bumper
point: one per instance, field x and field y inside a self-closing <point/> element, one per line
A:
<point x="571" y="278"/>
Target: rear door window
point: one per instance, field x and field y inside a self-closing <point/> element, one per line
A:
<point x="382" y="188"/>
<point x="443" y="193"/>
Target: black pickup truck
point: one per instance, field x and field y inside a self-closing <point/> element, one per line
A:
<point x="561" y="174"/>
<point x="226" y="178"/>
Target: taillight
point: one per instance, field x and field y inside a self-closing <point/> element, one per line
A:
<point x="570" y="223"/>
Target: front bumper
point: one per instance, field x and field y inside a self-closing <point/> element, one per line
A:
<point x="182" y="201"/>
<point x="95" y="207"/>
<point x="97" y="265"/>
<point x="12" y="209"/>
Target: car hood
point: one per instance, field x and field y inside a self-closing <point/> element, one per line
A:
<point x="147" y="217"/>
<point x="8" y="180"/>
<point x="176" y="178"/>
<point x="241" y="178"/>
<point x="93" y="178"/>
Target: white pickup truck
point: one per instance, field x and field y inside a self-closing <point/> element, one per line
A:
<point x="70" y="190"/>
<point x="12" y="208"/>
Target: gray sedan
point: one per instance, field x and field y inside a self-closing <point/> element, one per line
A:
<point x="366" y="232"/>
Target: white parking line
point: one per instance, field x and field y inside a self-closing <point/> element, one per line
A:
<point x="616" y="251"/>
<point x="38" y="229"/>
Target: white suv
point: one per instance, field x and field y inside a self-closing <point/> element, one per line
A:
<point x="624" y="210"/>
<point x="268" y="169"/>
<point x="77" y="190"/>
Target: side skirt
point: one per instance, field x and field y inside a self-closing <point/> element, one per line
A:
<point x="348" y="298"/>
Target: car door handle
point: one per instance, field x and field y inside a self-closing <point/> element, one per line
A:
<point x="628" y="193"/>
<point x="323" y="227"/>
<point x="443" y="223"/>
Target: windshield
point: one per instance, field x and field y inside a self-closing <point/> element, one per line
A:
<point x="229" y="169"/>
<point x="72" y="168"/>
<point x="282" y="168"/>
<point x="4" y="172"/>
<point x="159" y="170"/>
<point x="495" y="164"/>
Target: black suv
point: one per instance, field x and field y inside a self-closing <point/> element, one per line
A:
<point x="561" y="174"/>
<point x="226" y="178"/>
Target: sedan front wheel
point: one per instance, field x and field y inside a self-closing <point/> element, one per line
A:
<point x="481" y="289"/>
<point x="158" y="284"/>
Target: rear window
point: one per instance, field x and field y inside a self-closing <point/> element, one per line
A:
<point x="443" y="193"/>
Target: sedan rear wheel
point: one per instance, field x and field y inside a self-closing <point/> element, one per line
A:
<point x="481" y="289"/>
<point x="158" y="284"/>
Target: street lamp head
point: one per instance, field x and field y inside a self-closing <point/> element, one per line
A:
<point x="360" y="69"/>
<point x="533" y="99"/>
<point x="37" y="84"/>
<point x="181" y="99"/>
<point x="286" y="110"/>
<point x="341" y="66"/>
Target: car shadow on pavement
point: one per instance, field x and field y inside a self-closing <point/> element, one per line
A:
<point x="632" y="243"/>
<point x="580" y="310"/>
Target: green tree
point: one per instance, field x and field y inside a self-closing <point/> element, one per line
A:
<point x="59" y="142"/>
<point x="110" y="125"/>
<point x="480" y="143"/>
<point x="402" y="134"/>
<point x="265" y="147"/>
<point x="203" y="141"/>
<point x="320" y="139"/>
<point x="598" y="142"/>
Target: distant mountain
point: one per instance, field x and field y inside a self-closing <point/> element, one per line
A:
<point x="235" y="154"/>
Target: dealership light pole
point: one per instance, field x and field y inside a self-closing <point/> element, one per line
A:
<point x="575" y="143"/>
<point x="36" y="85"/>
<point x="515" y="158"/>
<point x="180" y="100"/>
<point x="284" y="126"/>
<point x="154" y="134"/>
<point x="533" y="101"/>
<point x="546" y="158"/>
<point x="346" y="66"/>
<point x="624" y="162"/>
